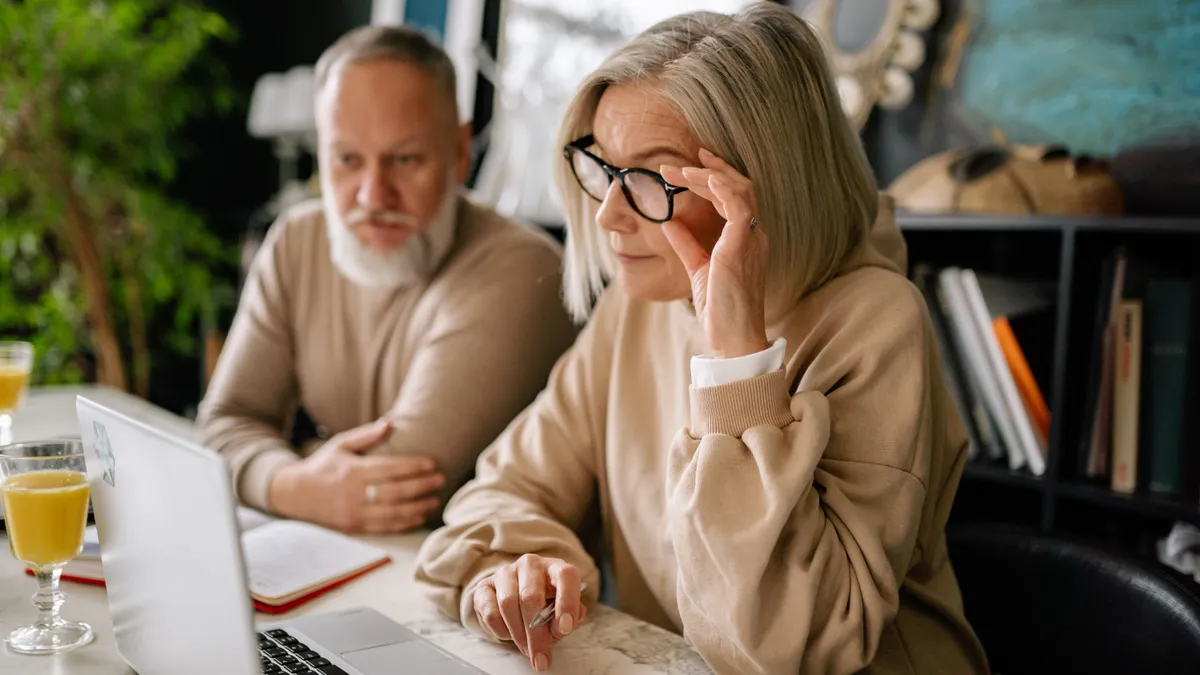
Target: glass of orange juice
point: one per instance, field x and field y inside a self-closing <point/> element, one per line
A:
<point x="44" y="488"/>
<point x="16" y="362"/>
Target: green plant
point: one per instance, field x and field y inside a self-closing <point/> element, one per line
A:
<point x="93" y="252"/>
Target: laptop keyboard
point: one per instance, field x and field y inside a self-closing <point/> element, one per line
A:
<point x="282" y="654"/>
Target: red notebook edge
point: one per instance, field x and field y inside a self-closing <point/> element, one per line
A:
<point x="80" y="580"/>
<point x="260" y="606"/>
<point x="286" y="607"/>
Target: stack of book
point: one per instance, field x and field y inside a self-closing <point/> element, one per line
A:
<point x="986" y="369"/>
<point x="1140" y="432"/>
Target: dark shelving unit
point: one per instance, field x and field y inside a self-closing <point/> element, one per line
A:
<point x="1066" y="251"/>
<point x="1003" y="476"/>
<point x="1140" y="503"/>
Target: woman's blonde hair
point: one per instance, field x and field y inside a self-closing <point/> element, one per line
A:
<point x="755" y="88"/>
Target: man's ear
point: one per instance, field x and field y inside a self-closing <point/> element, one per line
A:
<point x="464" y="151"/>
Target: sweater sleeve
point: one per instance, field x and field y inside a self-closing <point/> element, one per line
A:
<point x="805" y="575"/>
<point x="245" y="408"/>
<point x="532" y="489"/>
<point x="481" y="362"/>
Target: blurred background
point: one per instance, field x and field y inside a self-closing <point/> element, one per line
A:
<point x="145" y="147"/>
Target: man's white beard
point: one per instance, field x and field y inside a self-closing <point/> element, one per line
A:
<point x="413" y="263"/>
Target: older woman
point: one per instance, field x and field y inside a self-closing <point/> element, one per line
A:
<point x="755" y="406"/>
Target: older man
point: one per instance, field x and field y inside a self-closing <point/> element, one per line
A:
<point x="410" y="324"/>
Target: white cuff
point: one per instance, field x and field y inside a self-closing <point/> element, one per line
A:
<point x="708" y="371"/>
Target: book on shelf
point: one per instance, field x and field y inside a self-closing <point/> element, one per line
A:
<point x="985" y="367"/>
<point x="1097" y="408"/>
<point x="1027" y="386"/>
<point x="1168" y="337"/>
<point x="1013" y="405"/>
<point x="287" y="562"/>
<point x="961" y="388"/>
<point x="1137" y="432"/>
<point x="971" y="349"/>
<point x="1127" y="372"/>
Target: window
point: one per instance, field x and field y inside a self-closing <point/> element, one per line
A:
<point x="547" y="47"/>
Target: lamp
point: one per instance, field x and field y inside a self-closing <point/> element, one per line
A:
<point x="282" y="108"/>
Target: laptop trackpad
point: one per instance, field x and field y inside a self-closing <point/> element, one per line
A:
<point x="352" y="630"/>
<point x="416" y="656"/>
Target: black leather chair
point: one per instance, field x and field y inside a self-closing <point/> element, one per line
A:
<point x="1042" y="604"/>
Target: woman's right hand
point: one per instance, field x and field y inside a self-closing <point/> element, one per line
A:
<point x="506" y="602"/>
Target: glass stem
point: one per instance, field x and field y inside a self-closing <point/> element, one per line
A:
<point x="48" y="598"/>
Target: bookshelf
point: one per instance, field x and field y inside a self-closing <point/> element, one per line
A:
<point x="1068" y="254"/>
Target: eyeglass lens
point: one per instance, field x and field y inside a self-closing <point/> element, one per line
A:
<point x="649" y="196"/>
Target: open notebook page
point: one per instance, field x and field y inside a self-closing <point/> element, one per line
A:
<point x="289" y="558"/>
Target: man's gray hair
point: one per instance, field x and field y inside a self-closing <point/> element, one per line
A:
<point x="401" y="43"/>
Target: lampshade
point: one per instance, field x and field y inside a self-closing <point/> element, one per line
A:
<point x="282" y="104"/>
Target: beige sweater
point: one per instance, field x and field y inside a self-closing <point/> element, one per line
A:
<point x="450" y="363"/>
<point x="791" y="522"/>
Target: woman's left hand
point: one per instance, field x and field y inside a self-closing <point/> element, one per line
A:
<point x="728" y="285"/>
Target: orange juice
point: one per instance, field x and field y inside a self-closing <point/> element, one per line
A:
<point x="12" y="386"/>
<point x="45" y="513"/>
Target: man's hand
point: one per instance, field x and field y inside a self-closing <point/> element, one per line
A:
<point x="338" y="488"/>
<point x="506" y="602"/>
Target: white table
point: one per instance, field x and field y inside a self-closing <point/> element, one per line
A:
<point x="609" y="642"/>
<point x="50" y="412"/>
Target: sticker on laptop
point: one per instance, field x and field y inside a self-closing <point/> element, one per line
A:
<point x="104" y="453"/>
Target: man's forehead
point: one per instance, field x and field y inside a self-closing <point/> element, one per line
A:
<point x="381" y="83"/>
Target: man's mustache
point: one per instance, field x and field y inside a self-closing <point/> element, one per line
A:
<point x="358" y="216"/>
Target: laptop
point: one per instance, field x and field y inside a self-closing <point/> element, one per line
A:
<point x="176" y="581"/>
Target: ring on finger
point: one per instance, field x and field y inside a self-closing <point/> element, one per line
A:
<point x="372" y="493"/>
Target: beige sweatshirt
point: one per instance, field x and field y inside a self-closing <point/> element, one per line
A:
<point x="450" y="363"/>
<point x="791" y="522"/>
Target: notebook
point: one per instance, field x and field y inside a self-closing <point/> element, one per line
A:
<point x="288" y="562"/>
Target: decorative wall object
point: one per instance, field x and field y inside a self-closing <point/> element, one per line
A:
<point x="873" y="47"/>
<point x="1026" y="179"/>
<point x="1098" y="77"/>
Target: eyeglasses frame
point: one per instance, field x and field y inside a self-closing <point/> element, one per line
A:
<point x="579" y="145"/>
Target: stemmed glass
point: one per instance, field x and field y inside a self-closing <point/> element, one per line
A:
<point x="16" y="362"/>
<point x="44" y="487"/>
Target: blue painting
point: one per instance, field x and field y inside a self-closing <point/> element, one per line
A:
<point x="427" y="15"/>
<point x="1099" y="76"/>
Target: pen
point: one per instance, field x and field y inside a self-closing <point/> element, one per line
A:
<point x="543" y="617"/>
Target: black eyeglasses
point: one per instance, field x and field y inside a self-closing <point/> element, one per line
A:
<point x="648" y="192"/>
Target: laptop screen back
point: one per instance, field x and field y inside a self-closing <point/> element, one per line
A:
<point x="165" y="516"/>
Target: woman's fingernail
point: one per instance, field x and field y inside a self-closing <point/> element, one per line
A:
<point x="690" y="171"/>
<point x="706" y="151"/>
<point x="541" y="664"/>
<point x="565" y="624"/>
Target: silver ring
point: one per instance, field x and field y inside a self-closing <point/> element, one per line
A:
<point x="753" y="222"/>
<point x="372" y="493"/>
